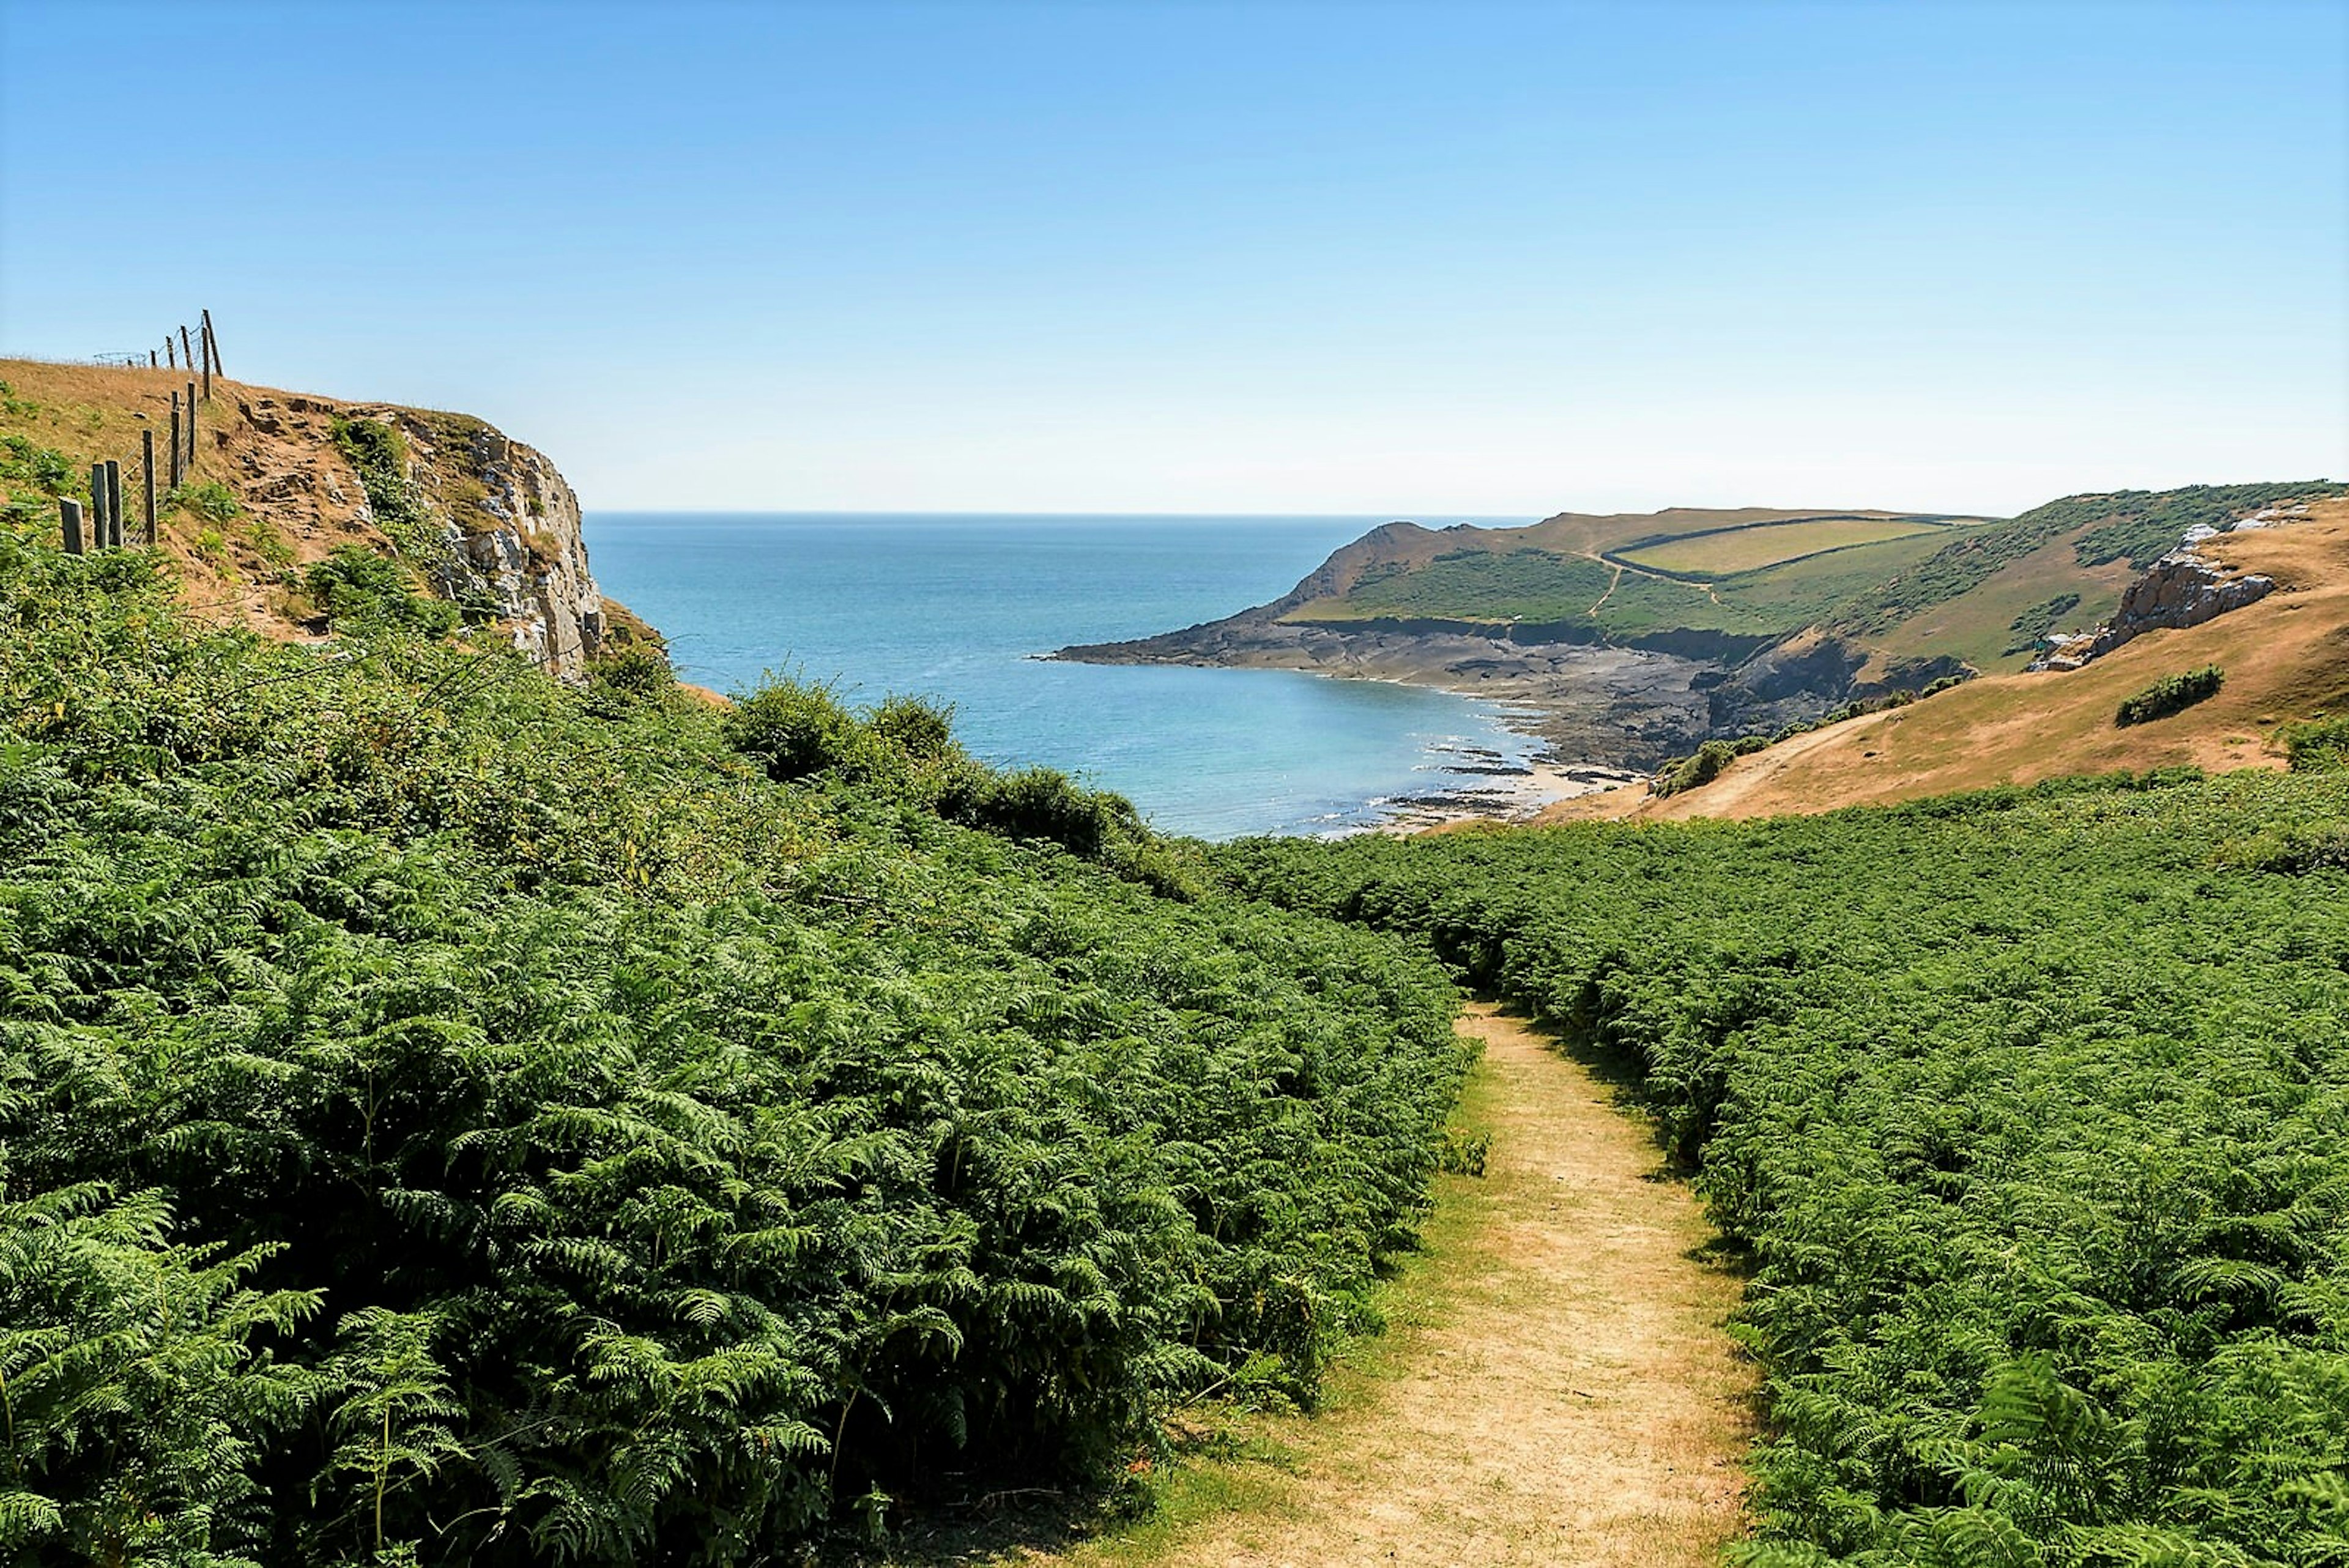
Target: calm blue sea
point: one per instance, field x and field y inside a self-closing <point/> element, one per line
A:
<point x="955" y="607"/>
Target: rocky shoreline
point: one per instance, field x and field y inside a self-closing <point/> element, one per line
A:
<point x="1607" y="706"/>
<point x="1514" y="792"/>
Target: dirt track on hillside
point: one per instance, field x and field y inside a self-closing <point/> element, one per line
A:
<point x="1557" y="1388"/>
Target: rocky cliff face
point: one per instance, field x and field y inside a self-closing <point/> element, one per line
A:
<point x="2181" y="589"/>
<point x="488" y="520"/>
<point x="510" y="526"/>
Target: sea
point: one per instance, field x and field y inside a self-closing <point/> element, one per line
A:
<point x="958" y="609"/>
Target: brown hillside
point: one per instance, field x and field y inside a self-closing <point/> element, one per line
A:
<point x="494" y="523"/>
<point x="300" y="496"/>
<point x="2286" y="659"/>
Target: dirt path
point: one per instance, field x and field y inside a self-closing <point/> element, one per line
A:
<point x="1622" y="566"/>
<point x="1555" y="1388"/>
<point x="1613" y="584"/>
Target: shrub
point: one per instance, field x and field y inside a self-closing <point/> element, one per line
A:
<point x="356" y="586"/>
<point x="1689" y="773"/>
<point x="2170" y="694"/>
<point x="2319" y="746"/>
<point x="1039" y="802"/>
<point x="1459" y="1152"/>
<point x="380" y="456"/>
<point x="921" y="729"/>
<point x="46" y="469"/>
<point x="637" y="670"/>
<point x="205" y="498"/>
<point x="2290" y="850"/>
<point x="269" y="543"/>
<point x="1167" y="869"/>
<point x="794" y="727"/>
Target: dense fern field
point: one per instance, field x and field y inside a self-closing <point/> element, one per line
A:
<point x="2029" y="1111"/>
<point x="446" y="1117"/>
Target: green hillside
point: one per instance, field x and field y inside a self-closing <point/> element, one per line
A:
<point x="1873" y="578"/>
<point x="448" y="1116"/>
<point x="2028" y="1113"/>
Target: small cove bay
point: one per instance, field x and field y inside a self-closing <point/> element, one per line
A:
<point x="956" y="608"/>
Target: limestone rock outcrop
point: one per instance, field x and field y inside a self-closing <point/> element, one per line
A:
<point x="2180" y="589"/>
<point x="510" y="526"/>
<point x="488" y="520"/>
<point x="533" y="561"/>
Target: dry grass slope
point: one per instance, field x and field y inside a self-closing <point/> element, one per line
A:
<point x="2286" y="659"/>
<point x="271" y="449"/>
<point x="1737" y="550"/>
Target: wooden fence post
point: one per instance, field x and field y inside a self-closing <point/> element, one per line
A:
<point x="147" y="472"/>
<point x="97" y="506"/>
<point x="211" y="346"/>
<point x="170" y="353"/>
<point x="191" y="425"/>
<point x="69" y="515"/>
<point x="113" y="503"/>
<point x="176" y="448"/>
<point x="151" y="360"/>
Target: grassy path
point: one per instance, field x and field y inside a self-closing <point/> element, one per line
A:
<point x="1556" y="1387"/>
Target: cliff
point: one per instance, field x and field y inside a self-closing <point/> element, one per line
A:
<point x="283" y="479"/>
<point x="500" y="528"/>
<point x="2181" y="589"/>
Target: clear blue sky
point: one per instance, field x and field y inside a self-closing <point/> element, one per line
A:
<point x="1406" y="259"/>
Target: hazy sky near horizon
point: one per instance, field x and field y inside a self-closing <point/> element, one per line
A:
<point x="1409" y="259"/>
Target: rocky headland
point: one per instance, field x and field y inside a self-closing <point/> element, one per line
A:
<point x="1592" y="696"/>
<point x="491" y="523"/>
<point x="279" y="480"/>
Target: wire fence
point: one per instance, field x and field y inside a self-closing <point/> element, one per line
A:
<point x="99" y="527"/>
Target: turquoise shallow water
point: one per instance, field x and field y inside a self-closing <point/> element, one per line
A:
<point x="955" y="607"/>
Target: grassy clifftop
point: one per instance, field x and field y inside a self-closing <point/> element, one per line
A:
<point x="282" y="480"/>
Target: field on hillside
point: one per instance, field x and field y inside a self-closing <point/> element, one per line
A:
<point x="2282" y="656"/>
<point x="1545" y="588"/>
<point x="1914" y="590"/>
<point x="1730" y="550"/>
<point x="446" y="1117"/>
<point x="1473" y="584"/>
<point x="2029" y="1111"/>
